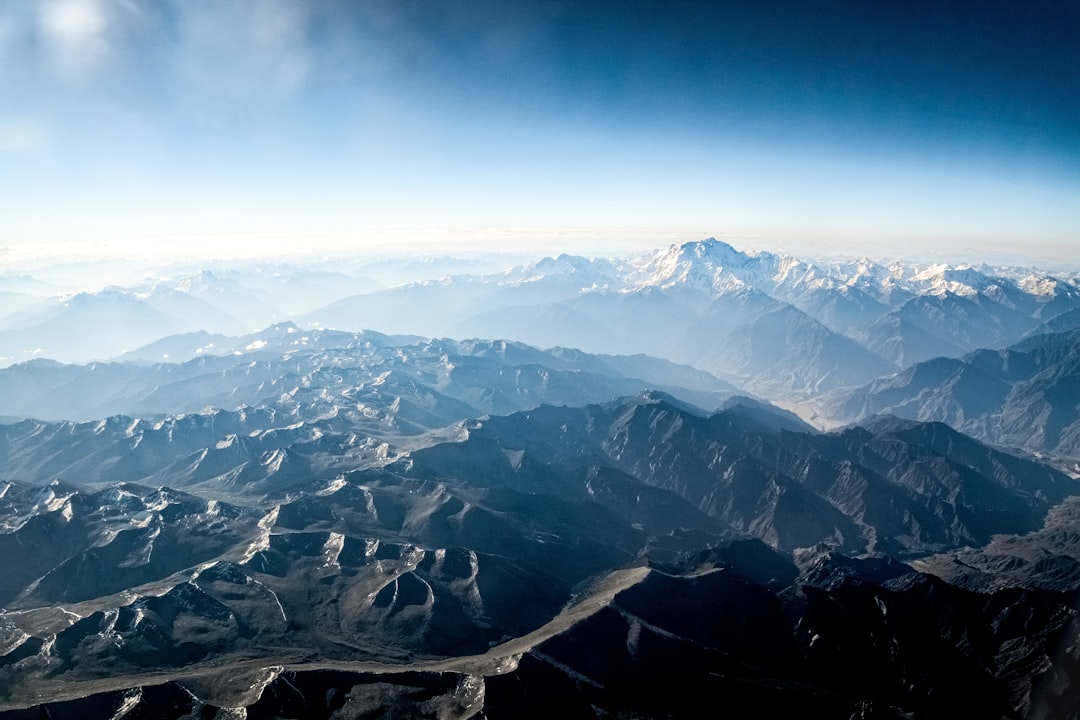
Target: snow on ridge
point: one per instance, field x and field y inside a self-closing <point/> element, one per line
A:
<point x="262" y="539"/>
<point x="1038" y="285"/>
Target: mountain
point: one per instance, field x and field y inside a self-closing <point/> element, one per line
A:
<point x="281" y="338"/>
<point x="368" y="567"/>
<point x="369" y="625"/>
<point x="78" y="327"/>
<point x="1046" y="559"/>
<point x="1024" y="396"/>
<point x="703" y="303"/>
<point x="632" y="556"/>
<point x="898" y="488"/>
<point x="84" y="326"/>
<point x="890" y="487"/>
<point x="764" y="414"/>
<point x="968" y="322"/>
<point x="741" y="315"/>
<point x="261" y="296"/>
<point x="784" y="352"/>
<point x="897" y="337"/>
<point x="12" y="302"/>
<point x="307" y="374"/>
<point x="324" y="520"/>
<point x="1064" y="322"/>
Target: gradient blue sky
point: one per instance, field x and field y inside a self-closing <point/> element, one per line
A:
<point x="833" y="125"/>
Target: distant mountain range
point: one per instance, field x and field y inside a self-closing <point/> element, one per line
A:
<point x="83" y="326"/>
<point x="774" y="325"/>
<point x="321" y="373"/>
<point x="1025" y="396"/>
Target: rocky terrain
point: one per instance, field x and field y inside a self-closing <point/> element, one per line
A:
<point x="1025" y="396"/>
<point x="318" y="520"/>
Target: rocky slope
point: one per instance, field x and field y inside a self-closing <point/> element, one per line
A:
<point x="1025" y="396"/>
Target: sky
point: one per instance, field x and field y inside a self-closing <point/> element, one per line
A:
<point x="848" y="126"/>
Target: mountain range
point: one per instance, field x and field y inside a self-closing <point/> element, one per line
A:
<point x="504" y="543"/>
<point x="615" y="511"/>
<point x="1025" y="396"/>
<point x="774" y="325"/>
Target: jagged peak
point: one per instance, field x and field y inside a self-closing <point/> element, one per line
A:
<point x="285" y="327"/>
<point x="656" y="398"/>
<point x="200" y="281"/>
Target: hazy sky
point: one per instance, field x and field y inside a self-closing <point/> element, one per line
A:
<point x="835" y="124"/>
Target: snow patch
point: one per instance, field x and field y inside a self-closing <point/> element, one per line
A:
<point x="336" y="484"/>
<point x="281" y="608"/>
<point x="371" y="546"/>
<point x="262" y="542"/>
<point x="131" y="700"/>
<point x="332" y="549"/>
<point x="1040" y="286"/>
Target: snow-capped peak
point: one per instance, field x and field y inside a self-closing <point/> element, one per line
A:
<point x="700" y="265"/>
<point x="198" y="283"/>
<point x="1039" y="285"/>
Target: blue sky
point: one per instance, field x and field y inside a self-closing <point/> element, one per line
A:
<point x="835" y="125"/>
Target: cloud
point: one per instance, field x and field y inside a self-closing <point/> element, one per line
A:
<point x="75" y="31"/>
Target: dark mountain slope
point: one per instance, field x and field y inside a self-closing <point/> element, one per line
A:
<point x="1025" y="396"/>
<point x="899" y="489"/>
<point x="848" y="638"/>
